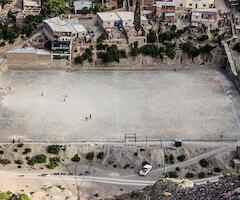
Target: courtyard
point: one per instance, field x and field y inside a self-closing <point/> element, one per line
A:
<point x="56" y="105"/>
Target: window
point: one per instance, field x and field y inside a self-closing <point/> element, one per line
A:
<point x="204" y="5"/>
<point x="190" y="4"/>
<point x="180" y="4"/>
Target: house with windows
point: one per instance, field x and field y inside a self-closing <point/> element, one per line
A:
<point x="198" y="4"/>
<point x="207" y="16"/>
<point x="61" y="33"/>
<point x="162" y="7"/>
<point x="80" y="4"/>
<point x="190" y="4"/>
<point x="29" y="7"/>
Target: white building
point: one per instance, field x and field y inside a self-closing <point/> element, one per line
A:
<point x="200" y="4"/>
<point x="118" y="19"/>
<point x="63" y="27"/>
<point x="192" y="3"/>
<point x="107" y="19"/>
<point x="206" y="16"/>
<point x="127" y="19"/>
<point x="80" y="4"/>
<point x="61" y="33"/>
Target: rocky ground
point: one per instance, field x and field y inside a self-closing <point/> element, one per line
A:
<point x="167" y="189"/>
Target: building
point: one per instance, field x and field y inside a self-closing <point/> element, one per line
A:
<point x="29" y="7"/>
<point x="108" y="19"/>
<point x="21" y="56"/>
<point x="189" y="4"/>
<point x="61" y="33"/>
<point x="170" y="17"/>
<point x="127" y="19"/>
<point x="199" y="4"/>
<point x="31" y="4"/>
<point x="207" y="16"/>
<point x="162" y="7"/>
<point x="233" y="4"/>
<point x="80" y="4"/>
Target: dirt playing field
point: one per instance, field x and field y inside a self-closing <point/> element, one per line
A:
<point x="53" y="105"/>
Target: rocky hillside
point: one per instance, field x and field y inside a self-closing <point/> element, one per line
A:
<point x="227" y="188"/>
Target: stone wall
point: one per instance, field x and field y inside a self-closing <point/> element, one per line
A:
<point x="235" y="79"/>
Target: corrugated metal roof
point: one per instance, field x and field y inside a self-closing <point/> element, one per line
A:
<point x="66" y="25"/>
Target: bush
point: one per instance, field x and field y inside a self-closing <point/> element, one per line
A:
<point x="5" y="161"/>
<point x="170" y="50"/>
<point x="18" y="162"/>
<point x="135" y="154"/>
<point x="53" y="149"/>
<point x="201" y="175"/>
<point x="5" y="195"/>
<point x="100" y="155"/>
<point x="151" y="36"/>
<point x="112" y="54"/>
<point x="1" y="152"/>
<point x="217" y="169"/>
<point x="101" y="46"/>
<point x="37" y="159"/>
<point x="126" y="166"/>
<point x="150" y="50"/>
<point x="204" y="163"/>
<point x="171" y="158"/>
<point x="89" y="156"/>
<point x="172" y="174"/>
<point x="177" y="169"/>
<point x="54" y="159"/>
<point x="15" y="150"/>
<point x="189" y="175"/>
<point x="53" y="163"/>
<point x="190" y="49"/>
<point x="23" y="197"/>
<point x="20" y="145"/>
<point x="75" y="158"/>
<point x="27" y="150"/>
<point x="237" y="47"/>
<point x="87" y="55"/>
<point x="181" y="158"/>
<point x="145" y="163"/>
<point x="102" y="37"/>
<point x="134" y="51"/>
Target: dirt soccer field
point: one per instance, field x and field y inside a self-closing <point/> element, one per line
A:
<point x="53" y="105"/>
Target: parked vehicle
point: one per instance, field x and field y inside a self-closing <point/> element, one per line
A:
<point x="145" y="170"/>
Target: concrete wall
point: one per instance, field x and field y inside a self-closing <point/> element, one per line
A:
<point x="26" y="58"/>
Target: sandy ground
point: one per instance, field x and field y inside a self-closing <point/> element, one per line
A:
<point x="62" y="189"/>
<point x="183" y="104"/>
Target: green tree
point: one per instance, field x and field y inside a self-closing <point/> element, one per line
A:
<point x="190" y="49"/>
<point x="134" y="49"/>
<point x="54" y="7"/>
<point x="151" y="36"/>
<point x="137" y="16"/>
<point x="23" y="197"/>
<point x="5" y="195"/>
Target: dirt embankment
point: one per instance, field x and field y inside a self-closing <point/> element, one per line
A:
<point x="169" y="189"/>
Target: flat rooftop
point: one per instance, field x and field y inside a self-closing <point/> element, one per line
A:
<point x="157" y="104"/>
<point x="108" y="16"/>
<point x="65" y="25"/>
